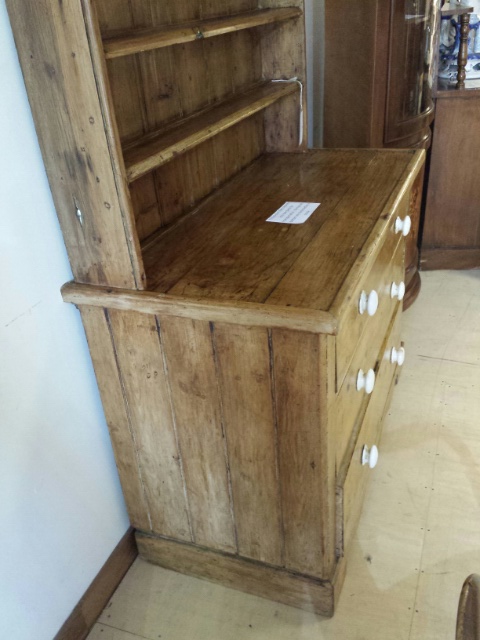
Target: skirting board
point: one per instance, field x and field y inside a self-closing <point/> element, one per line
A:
<point x="450" y="259"/>
<point x="244" y="575"/>
<point x="80" y="622"/>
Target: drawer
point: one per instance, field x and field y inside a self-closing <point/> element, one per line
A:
<point x="388" y="267"/>
<point x="353" y="477"/>
<point x="350" y="403"/>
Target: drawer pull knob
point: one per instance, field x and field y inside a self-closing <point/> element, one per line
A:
<point x="397" y="356"/>
<point x="397" y="290"/>
<point x="368" y="303"/>
<point x="366" y="380"/>
<point x="370" y="456"/>
<point x="403" y="226"/>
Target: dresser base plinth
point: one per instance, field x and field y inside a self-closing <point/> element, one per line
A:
<point x="303" y="592"/>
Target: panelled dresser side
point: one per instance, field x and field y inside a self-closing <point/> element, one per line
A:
<point x="244" y="366"/>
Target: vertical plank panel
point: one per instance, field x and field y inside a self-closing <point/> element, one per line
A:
<point x="246" y="59"/>
<point x="214" y="8"/>
<point x="145" y="204"/>
<point x="127" y="98"/>
<point x="160" y="87"/>
<point x="171" y="184"/>
<point x="282" y="125"/>
<point x="307" y="490"/>
<point x="113" y="16"/>
<point x="243" y="361"/>
<point x="116" y="414"/>
<point x="141" y="362"/>
<point x="284" y="56"/>
<point x="191" y="371"/>
<point x="59" y="72"/>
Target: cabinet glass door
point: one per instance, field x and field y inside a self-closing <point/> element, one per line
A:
<point x="414" y="28"/>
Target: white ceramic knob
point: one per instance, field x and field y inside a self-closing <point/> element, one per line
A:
<point x="366" y="381"/>
<point x="403" y="226"/>
<point x="397" y="290"/>
<point x="397" y="356"/>
<point x="370" y="456"/>
<point x="368" y="303"/>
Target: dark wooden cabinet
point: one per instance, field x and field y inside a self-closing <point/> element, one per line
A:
<point x="379" y="70"/>
<point x="451" y="234"/>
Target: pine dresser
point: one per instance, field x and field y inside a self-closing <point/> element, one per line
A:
<point x="244" y="365"/>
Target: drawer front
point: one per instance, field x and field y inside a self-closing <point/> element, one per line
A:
<point x="350" y="403"/>
<point x="388" y="267"/>
<point x="351" y="493"/>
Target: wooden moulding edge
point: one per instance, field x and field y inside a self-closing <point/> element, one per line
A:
<point x="241" y="313"/>
<point x="84" y="615"/>
<point x="242" y="574"/>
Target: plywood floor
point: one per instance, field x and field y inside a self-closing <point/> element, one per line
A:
<point x="419" y="536"/>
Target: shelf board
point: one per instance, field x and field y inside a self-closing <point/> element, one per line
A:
<point x="146" y="40"/>
<point x="159" y="148"/>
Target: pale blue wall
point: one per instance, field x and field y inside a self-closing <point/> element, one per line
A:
<point x="61" y="509"/>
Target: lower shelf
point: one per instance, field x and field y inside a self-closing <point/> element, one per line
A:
<point x="245" y="575"/>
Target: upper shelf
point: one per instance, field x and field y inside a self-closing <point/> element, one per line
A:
<point x="156" y="149"/>
<point x="166" y="36"/>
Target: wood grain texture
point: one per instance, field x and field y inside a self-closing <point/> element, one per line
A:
<point x="244" y="314"/>
<point x="396" y="204"/>
<point x="208" y="28"/>
<point x="196" y="403"/>
<point x="113" y="136"/>
<point x="118" y="16"/>
<point x="227" y="251"/>
<point x="248" y="257"/>
<point x="283" y="55"/>
<point x="452" y="216"/>
<point x="243" y="366"/>
<point x="122" y="435"/>
<point x="96" y="597"/>
<point x="156" y="150"/>
<point x="210" y="74"/>
<point x="339" y="243"/>
<point x="267" y="582"/>
<point x="59" y="73"/>
<point x="140" y="357"/>
<point x="306" y="468"/>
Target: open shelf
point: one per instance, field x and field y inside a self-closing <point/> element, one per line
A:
<point x="167" y="36"/>
<point x="156" y="149"/>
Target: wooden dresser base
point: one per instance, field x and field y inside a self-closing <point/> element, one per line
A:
<point x="303" y="592"/>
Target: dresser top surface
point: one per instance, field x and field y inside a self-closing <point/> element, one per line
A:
<point x="225" y="250"/>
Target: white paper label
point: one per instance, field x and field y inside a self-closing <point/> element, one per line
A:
<point x="294" y="212"/>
